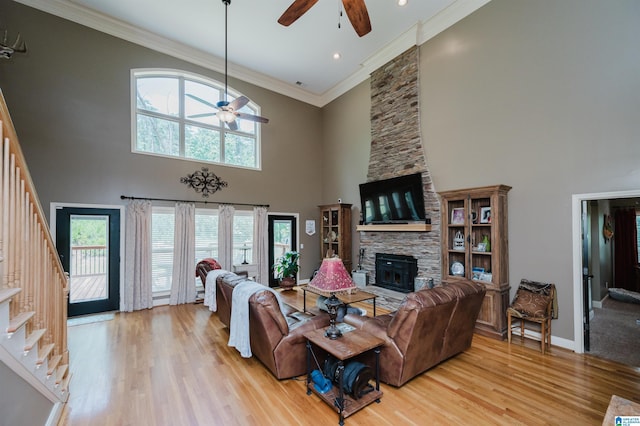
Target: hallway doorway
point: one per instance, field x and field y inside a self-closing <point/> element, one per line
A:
<point x="590" y="284"/>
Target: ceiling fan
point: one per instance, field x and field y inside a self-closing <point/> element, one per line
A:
<point x="227" y="112"/>
<point x="356" y="11"/>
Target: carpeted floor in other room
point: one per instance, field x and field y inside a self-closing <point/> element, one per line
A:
<point x="615" y="332"/>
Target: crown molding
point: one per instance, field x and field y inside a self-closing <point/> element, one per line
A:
<point x="417" y="34"/>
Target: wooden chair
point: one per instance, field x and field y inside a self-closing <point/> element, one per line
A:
<point x="535" y="302"/>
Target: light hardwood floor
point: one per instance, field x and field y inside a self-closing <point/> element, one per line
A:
<point x="172" y="366"/>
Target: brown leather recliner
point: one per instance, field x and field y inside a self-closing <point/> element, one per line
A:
<point x="430" y="326"/>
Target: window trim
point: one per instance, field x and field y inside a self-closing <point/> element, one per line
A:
<point x="186" y="75"/>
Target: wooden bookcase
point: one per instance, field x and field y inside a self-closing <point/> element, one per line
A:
<point x="464" y="214"/>
<point x="335" y="232"/>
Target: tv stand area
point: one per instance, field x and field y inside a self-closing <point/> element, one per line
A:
<point x="395" y="227"/>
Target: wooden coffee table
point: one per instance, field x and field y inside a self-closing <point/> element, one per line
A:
<point x="347" y="346"/>
<point x="358" y="296"/>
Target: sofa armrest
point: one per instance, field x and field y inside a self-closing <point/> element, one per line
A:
<point x="297" y="330"/>
<point x="376" y="326"/>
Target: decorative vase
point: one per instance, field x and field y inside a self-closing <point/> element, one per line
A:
<point x="287" y="283"/>
<point x="487" y="243"/>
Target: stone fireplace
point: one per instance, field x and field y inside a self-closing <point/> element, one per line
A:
<point x="397" y="149"/>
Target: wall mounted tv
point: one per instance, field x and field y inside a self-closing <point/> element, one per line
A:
<point x="396" y="200"/>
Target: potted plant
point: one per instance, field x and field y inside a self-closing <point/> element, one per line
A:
<point x="286" y="269"/>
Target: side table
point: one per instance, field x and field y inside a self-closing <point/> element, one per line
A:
<point x="347" y="299"/>
<point x="351" y="344"/>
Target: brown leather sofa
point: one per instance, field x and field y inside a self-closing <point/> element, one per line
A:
<point x="430" y="326"/>
<point x="277" y="338"/>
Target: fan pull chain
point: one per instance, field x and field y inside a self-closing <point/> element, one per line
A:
<point x="339" y="14"/>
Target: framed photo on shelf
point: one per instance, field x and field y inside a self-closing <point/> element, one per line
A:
<point x="485" y="215"/>
<point x="457" y="216"/>
<point x="476" y="272"/>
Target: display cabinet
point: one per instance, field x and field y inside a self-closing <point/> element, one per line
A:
<point x="475" y="246"/>
<point x="335" y="232"/>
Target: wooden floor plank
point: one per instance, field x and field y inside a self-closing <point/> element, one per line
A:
<point x="172" y="366"/>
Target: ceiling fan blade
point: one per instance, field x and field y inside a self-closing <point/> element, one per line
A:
<point x="250" y="117"/>
<point x="358" y="15"/>
<point x="201" y="100"/>
<point x="233" y="125"/>
<point x="296" y="10"/>
<point x="206" y="114"/>
<point x="238" y="103"/>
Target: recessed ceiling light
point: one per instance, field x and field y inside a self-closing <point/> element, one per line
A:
<point x="402" y="2"/>
<point x="337" y="56"/>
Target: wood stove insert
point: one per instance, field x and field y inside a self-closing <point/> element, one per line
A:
<point x="396" y="272"/>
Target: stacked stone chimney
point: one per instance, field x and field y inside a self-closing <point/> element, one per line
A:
<point x="396" y="150"/>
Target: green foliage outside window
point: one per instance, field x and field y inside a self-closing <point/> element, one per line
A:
<point x="175" y="116"/>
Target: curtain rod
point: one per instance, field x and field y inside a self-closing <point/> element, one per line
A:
<point x="127" y="197"/>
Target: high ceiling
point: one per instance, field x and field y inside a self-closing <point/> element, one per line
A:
<point x="296" y="61"/>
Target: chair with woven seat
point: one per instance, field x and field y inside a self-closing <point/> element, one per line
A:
<point x="535" y="302"/>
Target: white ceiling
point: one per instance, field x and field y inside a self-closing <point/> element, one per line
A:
<point x="260" y="50"/>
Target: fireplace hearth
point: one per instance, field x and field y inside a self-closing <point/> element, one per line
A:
<point x="396" y="272"/>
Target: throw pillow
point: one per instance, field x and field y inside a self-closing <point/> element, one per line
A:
<point x="531" y="304"/>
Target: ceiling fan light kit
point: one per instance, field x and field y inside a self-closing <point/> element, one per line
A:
<point x="228" y="112"/>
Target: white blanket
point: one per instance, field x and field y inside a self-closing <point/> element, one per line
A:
<point x="239" y="322"/>
<point x="210" y="288"/>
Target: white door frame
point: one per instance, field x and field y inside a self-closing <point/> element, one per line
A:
<point x="576" y="230"/>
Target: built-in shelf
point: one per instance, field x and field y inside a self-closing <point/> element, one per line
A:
<point x="405" y="227"/>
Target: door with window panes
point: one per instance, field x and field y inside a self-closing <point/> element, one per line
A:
<point x="282" y="238"/>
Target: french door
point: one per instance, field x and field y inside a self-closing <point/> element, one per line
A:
<point x="282" y="238"/>
<point x="88" y="241"/>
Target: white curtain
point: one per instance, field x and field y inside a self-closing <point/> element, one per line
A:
<point x="261" y="244"/>
<point x="183" y="283"/>
<point x="137" y="265"/>
<point x="225" y="236"/>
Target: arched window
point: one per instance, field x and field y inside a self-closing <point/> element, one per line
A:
<point x="174" y="116"/>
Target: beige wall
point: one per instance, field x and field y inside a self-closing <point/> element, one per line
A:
<point x="69" y="97"/>
<point x="539" y="95"/>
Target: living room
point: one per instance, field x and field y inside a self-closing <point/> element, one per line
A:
<point x="539" y="96"/>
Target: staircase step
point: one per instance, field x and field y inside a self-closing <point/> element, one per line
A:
<point x="53" y="363"/>
<point x="44" y="353"/>
<point x="33" y="338"/>
<point x="8" y="293"/>
<point x="60" y="373"/>
<point x="19" y="321"/>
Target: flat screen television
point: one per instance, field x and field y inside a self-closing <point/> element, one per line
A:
<point x="396" y="200"/>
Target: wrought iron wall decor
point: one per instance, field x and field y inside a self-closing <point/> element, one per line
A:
<point x="204" y="182"/>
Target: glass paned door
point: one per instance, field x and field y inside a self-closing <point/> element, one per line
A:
<point x="88" y="241"/>
<point x="282" y="238"/>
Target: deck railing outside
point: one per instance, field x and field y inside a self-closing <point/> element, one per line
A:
<point x="88" y="260"/>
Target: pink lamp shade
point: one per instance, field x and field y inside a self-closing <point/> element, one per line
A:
<point x="332" y="278"/>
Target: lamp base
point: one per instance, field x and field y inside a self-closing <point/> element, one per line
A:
<point x="332" y="304"/>
<point x="333" y="332"/>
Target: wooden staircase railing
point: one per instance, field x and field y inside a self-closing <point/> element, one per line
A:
<point x="28" y="258"/>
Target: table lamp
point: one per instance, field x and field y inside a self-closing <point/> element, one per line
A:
<point x="332" y="278"/>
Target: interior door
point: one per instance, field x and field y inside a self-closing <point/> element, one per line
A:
<point x="88" y="241"/>
<point x="282" y="238"/>
<point x="586" y="276"/>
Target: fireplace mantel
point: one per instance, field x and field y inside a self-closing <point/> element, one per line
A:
<point x="404" y="227"/>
